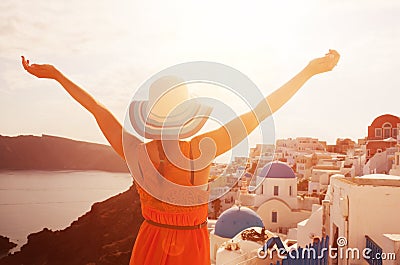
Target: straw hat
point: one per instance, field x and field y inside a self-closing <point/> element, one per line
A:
<point x="169" y="113"/>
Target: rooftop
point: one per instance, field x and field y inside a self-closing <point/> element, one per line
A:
<point x="277" y="169"/>
<point x="393" y="237"/>
<point x="374" y="180"/>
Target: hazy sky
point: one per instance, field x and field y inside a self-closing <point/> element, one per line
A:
<point x="111" y="47"/>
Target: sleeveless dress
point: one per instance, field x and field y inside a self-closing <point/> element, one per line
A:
<point x="165" y="245"/>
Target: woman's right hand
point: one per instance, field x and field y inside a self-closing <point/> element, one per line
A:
<point x="40" y="70"/>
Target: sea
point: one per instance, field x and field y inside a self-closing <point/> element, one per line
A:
<point x="33" y="200"/>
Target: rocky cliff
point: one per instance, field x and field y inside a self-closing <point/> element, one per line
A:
<point x="105" y="235"/>
<point x="5" y="245"/>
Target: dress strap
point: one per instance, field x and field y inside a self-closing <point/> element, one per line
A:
<point x="191" y="165"/>
<point x="161" y="156"/>
<point x="140" y="170"/>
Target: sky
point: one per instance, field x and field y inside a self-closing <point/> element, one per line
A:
<point x="111" y="47"/>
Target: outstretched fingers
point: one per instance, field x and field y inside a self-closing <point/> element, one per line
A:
<point x="331" y="59"/>
<point x="335" y="55"/>
<point x="334" y="52"/>
<point x="27" y="67"/>
<point x="25" y="63"/>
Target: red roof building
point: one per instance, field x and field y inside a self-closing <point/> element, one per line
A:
<point x="382" y="134"/>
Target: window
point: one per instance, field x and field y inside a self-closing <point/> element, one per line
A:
<point x="394" y="132"/>
<point x="386" y="133"/>
<point x="378" y="132"/>
<point x="376" y="251"/>
<point x="290" y="190"/>
<point x="276" y="190"/>
<point x="387" y="130"/>
<point x="274" y="218"/>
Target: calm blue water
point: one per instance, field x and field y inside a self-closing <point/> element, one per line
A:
<point x="33" y="200"/>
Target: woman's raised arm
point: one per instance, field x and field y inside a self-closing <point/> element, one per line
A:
<point x="232" y="133"/>
<point x="108" y="124"/>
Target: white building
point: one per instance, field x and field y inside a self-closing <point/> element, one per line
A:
<point x="262" y="150"/>
<point x="381" y="162"/>
<point x="322" y="172"/>
<point x="363" y="210"/>
<point x="357" y="158"/>
<point x="396" y="165"/>
<point x="224" y="202"/>
<point x="275" y="198"/>
<point x="299" y="144"/>
<point x="309" y="228"/>
<point x="289" y="149"/>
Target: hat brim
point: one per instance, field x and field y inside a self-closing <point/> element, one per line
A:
<point x="183" y="122"/>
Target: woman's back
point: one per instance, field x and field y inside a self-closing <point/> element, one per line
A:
<point x="172" y="234"/>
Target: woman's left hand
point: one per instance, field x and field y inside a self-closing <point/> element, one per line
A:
<point x="324" y="64"/>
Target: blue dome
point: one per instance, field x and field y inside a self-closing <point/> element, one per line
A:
<point x="277" y="170"/>
<point x="235" y="220"/>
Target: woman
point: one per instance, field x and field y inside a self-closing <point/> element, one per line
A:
<point x="175" y="234"/>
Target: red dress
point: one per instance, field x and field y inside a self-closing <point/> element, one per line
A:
<point x="165" y="245"/>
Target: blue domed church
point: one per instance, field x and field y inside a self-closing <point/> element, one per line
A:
<point x="273" y="203"/>
<point x="275" y="198"/>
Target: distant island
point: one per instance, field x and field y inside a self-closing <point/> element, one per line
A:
<point x="28" y="152"/>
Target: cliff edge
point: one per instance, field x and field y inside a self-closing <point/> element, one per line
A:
<point x="104" y="235"/>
